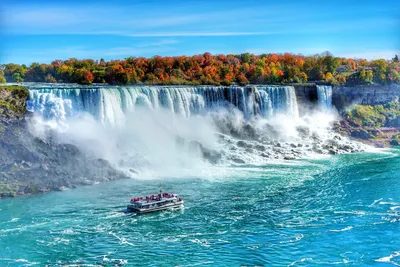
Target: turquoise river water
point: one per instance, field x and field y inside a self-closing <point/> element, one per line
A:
<point x="343" y="210"/>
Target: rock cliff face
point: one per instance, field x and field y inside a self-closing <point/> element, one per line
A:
<point x="12" y="102"/>
<point x="370" y="113"/>
<point x="30" y="165"/>
<point x="307" y="97"/>
<point x="344" y="97"/>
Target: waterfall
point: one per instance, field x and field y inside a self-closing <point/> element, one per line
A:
<point x="324" y="96"/>
<point x="165" y="128"/>
<point x="110" y="104"/>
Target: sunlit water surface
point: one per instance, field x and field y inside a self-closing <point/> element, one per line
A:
<point x="344" y="210"/>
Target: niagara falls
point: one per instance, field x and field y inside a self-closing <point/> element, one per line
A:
<point x="224" y="133"/>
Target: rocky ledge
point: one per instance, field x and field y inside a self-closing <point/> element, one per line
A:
<point x="376" y="125"/>
<point x="29" y="165"/>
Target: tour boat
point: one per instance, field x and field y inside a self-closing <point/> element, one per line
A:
<point x="162" y="201"/>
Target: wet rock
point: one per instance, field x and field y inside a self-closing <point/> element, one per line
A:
<point x="212" y="156"/>
<point x="361" y="134"/>
<point x="315" y="136"/>
<point x="241" y="143"/>
<point x="259" y="147"/>
<point x="249" y="131"/>
<point x="394" y="142"/>
<point x="30" y="165"/>
<point x="238" y="161"/>
<point x="332" y="142"/>
<point x="303" y="131"/>
<point x="289" y="157"/>
<point x="318" y="150"/>
<point x="133" y="171"/>
<point x="278" y="150"/>
<point x="222" y="138"/>
<point x="249" y="150"/>
<point x="337" y="137"/>
<point x="327" y="147"/>
<point x="354" y="124"/>
<point x="333" y="152"/>
<point x="346" y="147"/>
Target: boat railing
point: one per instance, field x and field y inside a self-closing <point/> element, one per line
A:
<point x="153" y="197"/>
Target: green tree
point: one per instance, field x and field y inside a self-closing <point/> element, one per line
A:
<point x="366" y="76"/>
<point x="17" y="77"/>
<point x="380" y="68"/>
<point x="14" y="72"/>
<point x="330" y="63"/>
<point x="246" y="57"/>
<point x="2" y="78"/>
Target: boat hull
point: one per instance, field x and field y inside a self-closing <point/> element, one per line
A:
<point x="131" y="208"/>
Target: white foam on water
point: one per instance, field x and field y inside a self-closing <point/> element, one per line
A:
<point x="122" y="240"/>
<point x="348" y="228"/>
<point x="388" y="259"/>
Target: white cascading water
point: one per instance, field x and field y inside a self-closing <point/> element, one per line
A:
<point x="109" y="105"/>
<point x="324" y="97"/>
<point x="170" y="129"/>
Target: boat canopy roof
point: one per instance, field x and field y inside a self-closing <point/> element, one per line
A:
<point x="154" y="198"/>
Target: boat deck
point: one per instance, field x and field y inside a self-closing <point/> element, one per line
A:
<point x="152" y="203"/>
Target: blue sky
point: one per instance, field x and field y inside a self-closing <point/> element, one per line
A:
<point x="41" y="31"/>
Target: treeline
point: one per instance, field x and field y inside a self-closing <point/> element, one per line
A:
<point x="209" y="69"/>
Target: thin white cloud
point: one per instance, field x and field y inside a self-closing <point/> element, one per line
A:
<point x="81" y="52"/>
<point x="370" y="55"/>
<point x="158" y="43"/>
<point x="195" y="34"/>
<point x="39" y="20"/>
<point x="158" y="34"/>
<point x="386" y="54"/>
<point x="153" y="22"/>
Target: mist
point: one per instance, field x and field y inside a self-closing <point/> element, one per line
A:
<point x="150" y="142"/>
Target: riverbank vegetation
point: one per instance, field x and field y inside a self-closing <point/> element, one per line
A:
<point x="387" y="115"/>
<point x="12" y="100"/>
<point x="209" y="69"/>
<point x="377" y="125"/>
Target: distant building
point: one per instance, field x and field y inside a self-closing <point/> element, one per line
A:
<point x="365" y="68"/>
<point x="341" y="69"/>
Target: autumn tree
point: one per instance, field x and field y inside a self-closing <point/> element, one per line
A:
<point x="83" y="76"/>
<point x="241" y="79"/>
<point x="117" y="75"/>
<point x="210" y="69"/>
